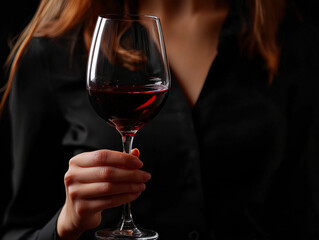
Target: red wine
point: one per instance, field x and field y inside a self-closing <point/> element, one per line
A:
<point x="127" y="108"/>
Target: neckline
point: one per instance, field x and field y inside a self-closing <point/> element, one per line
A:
<point x="230" y="28"/>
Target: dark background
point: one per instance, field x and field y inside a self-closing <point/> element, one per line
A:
<point x="309" y="10"/>
<point x="14" y="16"/>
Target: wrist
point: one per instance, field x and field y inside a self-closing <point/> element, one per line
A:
<point x="65" y="228"/>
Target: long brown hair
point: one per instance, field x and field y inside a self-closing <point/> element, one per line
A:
<point x="261" y="30"/>
<point x="54" y="18"/>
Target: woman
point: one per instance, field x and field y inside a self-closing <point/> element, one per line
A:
<point x="232" y="154"/>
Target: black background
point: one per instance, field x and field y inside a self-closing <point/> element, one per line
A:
<point x="15" y="14"/>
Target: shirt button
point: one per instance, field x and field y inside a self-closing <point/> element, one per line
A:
<point x="194" y="235"/>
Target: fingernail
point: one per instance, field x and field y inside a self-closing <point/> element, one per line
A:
<point x="146" y="176"/>
<point x="136" y="152"/>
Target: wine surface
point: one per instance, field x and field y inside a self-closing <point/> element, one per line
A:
<point x="127" y="108"/>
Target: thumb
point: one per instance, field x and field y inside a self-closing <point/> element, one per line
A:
<point x="135" y="152"/>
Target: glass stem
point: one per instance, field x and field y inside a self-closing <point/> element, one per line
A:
<point x="127" y="141"/>
<point x="127" y="220"/>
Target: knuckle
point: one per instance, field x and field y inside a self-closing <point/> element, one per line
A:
<point x="101" y="156"/>
<point x="80" y="209"/>
<point x="73" y="193"/>
<point x="72" y="161"/>
<point x="105" y="187"/>
<point x="68" y="178"/>
<point x="106" y="173"/>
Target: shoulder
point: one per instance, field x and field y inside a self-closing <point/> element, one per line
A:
<point x="42" y="59"/>
<point x="45" y="49"/>
<point x="30" y="67"/>
<point x="50" y="60"/>
<point x="33" y="53"/>
<point x="33" y="64"/>
<point x="37" y="45"/>
<point x="30" y="79"/>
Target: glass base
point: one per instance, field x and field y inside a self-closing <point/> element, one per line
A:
<point x="135" y="233"/>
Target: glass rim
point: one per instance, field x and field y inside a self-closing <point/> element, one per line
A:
<point x="128" y="17"/>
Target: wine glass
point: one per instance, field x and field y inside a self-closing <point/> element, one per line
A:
<point x="127" y="81"/>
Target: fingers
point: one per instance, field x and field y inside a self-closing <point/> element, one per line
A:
<point x="96" y="181"/>
<point x="107" y="158"/>
<point x="106" y="174"/>
<point x="86" y="207"/>
<point x="136" y="152"/>
<point x="104" y="189"/>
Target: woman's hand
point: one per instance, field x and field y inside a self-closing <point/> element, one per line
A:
<point x="96" y="181"/>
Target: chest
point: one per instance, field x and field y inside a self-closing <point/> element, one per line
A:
<point x="191" y="49"/>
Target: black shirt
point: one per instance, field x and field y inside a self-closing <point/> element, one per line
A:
<point x="241" y="164"/>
